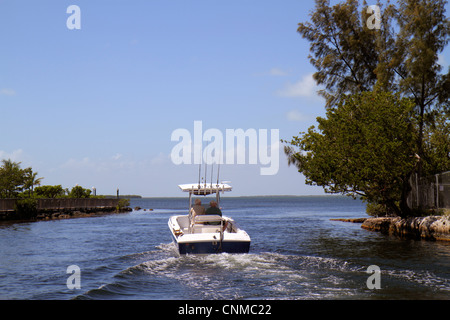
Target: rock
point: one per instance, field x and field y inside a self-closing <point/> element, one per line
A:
<point x="378" y="224"/>
<point x="428" y="228"/>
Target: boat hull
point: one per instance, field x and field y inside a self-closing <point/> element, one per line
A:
<point x="212" y="247"/>
<point x="207" y="242"/>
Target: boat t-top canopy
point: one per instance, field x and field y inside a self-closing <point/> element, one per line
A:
<point x="204" y="189"/>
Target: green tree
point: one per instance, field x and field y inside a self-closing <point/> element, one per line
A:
<point x="26" y="208"/>
<point x="14" y="180"/>
<point x="11" y="179"/>
<point x="49" y="191"/>
<point x="30" y="180"/>
<point x="401" y="57"/>
<point x="424" y="33"/>
<point x="364" y="147"/>
<point x="437" y="143"/>
<point x="343" y="49"/>
<point x="79" y="192"/>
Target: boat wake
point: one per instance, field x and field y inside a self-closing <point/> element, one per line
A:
<point x="165" y="275"/>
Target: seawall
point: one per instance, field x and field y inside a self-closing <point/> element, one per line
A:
<point x="59" y="208"/>
<point x="427" y="228"/>
<point x="63" y="214"/>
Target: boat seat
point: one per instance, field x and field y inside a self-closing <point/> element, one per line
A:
<point x="207" y="218"/>
<point x="205" y="229"/>
<point x="207" y="224"/>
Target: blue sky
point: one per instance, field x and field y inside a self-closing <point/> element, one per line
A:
<point x="97" y="106"/>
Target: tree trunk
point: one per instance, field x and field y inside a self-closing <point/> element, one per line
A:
<point x="406" y="189"/>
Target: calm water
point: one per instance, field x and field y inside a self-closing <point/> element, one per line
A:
<point x="296" y="253"/>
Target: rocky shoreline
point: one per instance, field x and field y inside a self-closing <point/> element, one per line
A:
<point x="427" y="228"/>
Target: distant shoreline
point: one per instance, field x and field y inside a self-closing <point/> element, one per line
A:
<point x="110" y="196"/>
<point x="257" y="196"/>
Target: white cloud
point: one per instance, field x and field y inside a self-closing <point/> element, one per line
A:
<point x="305" y="87"/>
<point x="295" y="115"/>
<point x="7" y="92"/>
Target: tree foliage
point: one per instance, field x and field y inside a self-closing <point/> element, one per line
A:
<point x="402" y="56"/>
<point x="49" y="191"/>
<point x="79" y="192"/>
<point x="364" y="147"/>
<point x="343" y="49"/>
<point x="14" y="180"/>
<point x="437" y="143"/>
<point x="396" y="68"/>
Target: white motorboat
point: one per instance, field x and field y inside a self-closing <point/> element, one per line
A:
<point x="207" y="234"/>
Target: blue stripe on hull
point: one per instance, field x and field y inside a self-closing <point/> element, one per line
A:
<point x="216" y="247"/>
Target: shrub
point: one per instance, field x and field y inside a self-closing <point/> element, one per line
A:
<point x="123" y="203"/>
<point x="26" y="208"/>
